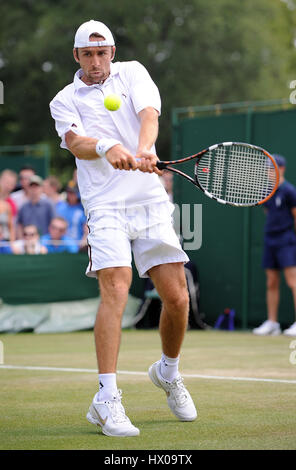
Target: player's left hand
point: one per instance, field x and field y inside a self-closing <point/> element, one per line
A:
<point x="147" y="162"/>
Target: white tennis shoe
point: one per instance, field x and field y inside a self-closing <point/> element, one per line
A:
<point x="178" y="397"/>
<point x="268" y="327"/>
<point x="291" y="331"/>
<point x="110" y="415"/>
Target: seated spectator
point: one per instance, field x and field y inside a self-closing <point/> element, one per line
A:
<point x="20" y="196"/>
<point x="52" y="189"/>
<point x="30" y="244"/>
<point x="8" y="181"/>
<point x="73" y="212"/>
<point x="5" y="248"/>
<point x="36" y="211"/>
<point x="6" y="221"/>
<point x="56" y="240"/>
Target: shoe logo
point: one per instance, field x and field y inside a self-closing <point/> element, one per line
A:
<point x="102" y="421"/>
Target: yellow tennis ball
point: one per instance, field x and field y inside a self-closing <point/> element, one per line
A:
<point x="112" y="102"/>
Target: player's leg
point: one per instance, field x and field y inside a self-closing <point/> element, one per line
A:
<point x="106" y="409"/>
<point x="170" y="282"/>
<point x="110" y="262"/>
<point x="157" y="251"/>
<point x="114" y="284"/>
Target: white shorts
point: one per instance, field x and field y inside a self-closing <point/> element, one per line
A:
<point x="145" y="231"/>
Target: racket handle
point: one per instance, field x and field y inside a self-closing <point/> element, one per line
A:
<point x="161" y="165"/>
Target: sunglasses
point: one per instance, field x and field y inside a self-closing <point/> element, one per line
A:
<point x="30" y="234"/>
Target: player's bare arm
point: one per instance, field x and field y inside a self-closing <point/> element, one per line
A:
<point x="81" y="147"/>
<point x="147" y="138"/>
<point x="84" y="148"/>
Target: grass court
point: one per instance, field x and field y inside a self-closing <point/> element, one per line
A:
<point x="244" y="388"/>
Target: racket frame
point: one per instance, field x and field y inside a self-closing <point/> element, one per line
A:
<point x="166" y="165"/>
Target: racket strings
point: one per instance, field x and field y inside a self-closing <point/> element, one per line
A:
<point x="237" y="174"/>
<point x="248" y="181"/>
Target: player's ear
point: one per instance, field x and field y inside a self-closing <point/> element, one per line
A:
<point x="75" y="54"/>
<point x="113" y="52"/>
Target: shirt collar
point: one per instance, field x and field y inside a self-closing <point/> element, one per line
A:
<point x="79" y="84"/>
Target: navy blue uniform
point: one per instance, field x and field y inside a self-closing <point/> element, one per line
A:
<point x="279" y="234"/>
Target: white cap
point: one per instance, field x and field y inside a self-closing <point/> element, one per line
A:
<point x="86" y="29"/>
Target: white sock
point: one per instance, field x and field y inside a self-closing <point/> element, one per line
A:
<point x="107" y="387"/>
<point x="169" y="367"/>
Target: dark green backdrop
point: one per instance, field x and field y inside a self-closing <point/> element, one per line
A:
<point x="26" y="279"/>
<point x="229" y="260"/>
<point x="15" y="157"/>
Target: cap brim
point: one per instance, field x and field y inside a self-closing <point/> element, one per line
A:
<point x="93" y="44"/>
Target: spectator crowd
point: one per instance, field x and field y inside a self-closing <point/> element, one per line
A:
<point x="37" y="216"/>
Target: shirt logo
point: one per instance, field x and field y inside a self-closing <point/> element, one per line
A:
<point x="278" y="201"/>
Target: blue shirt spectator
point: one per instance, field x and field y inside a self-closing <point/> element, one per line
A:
<point x="37" y="211"/>
<point x="72" y="211"/>
<point x="5" y="250"/>
<point x="56" y="241"/>
<point x="4" y="245"/>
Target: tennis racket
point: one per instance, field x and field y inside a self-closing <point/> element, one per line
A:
<point x="233" y="173"/>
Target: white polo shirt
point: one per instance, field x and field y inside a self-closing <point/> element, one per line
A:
<point x="80" y="108"/>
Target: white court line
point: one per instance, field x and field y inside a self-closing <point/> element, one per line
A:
<point x="128" y="372"/>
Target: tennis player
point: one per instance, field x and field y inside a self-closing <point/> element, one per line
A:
<point x="128" y="211"/>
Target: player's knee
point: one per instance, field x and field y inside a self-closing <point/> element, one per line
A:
<point x="115" y="293"/>
<point x="114" y="288"/>
<point x="177" y="301"/>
